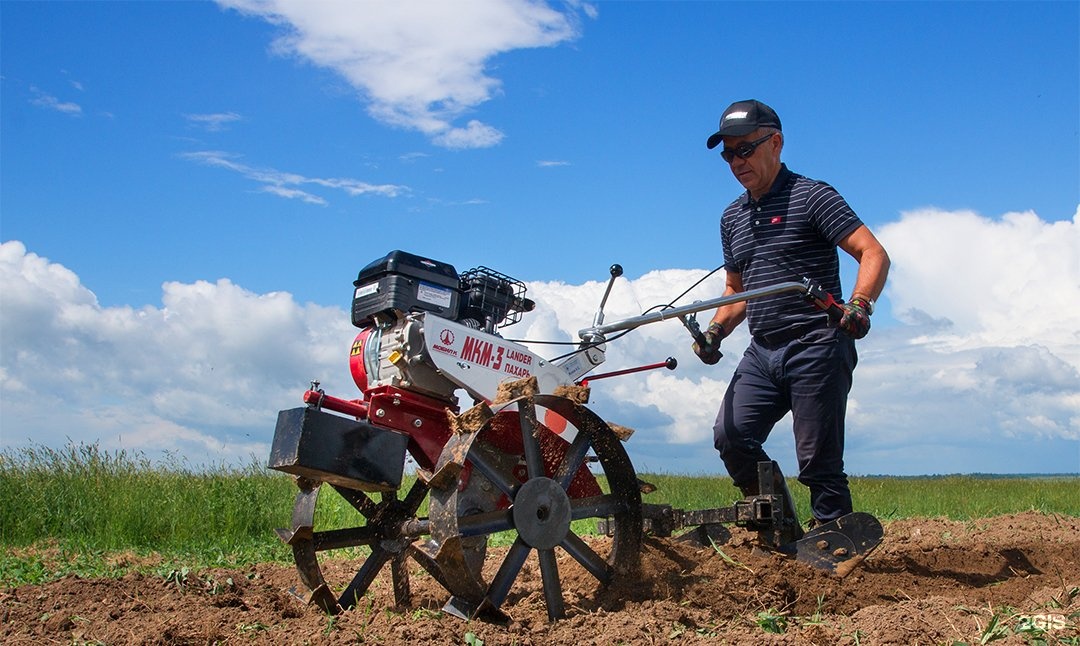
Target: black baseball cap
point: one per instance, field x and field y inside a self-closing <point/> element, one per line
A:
<point x="742" y="118"/>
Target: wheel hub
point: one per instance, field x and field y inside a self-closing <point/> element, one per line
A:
<point x="542" y="513"/>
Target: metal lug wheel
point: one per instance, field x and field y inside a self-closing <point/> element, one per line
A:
<point x="388" y="527"/>
<point x="553" y="488"/>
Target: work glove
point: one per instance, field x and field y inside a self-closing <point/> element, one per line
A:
<point x="709" y="349"/>
<point x="856" y="319"/>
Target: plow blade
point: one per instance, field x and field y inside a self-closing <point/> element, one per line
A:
<point x="841" y="545"/>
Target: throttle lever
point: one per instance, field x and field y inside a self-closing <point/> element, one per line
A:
<point x="691" y="324"/>
<point x="616" y="270"/>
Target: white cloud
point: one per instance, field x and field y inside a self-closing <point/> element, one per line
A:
<point x="283" y="184"/>
<point x="214" y="122"/>
<point x="420" y="65"/>
<point x="293" y="193"/>
<point x="1008" y="281"/>
<point x="204" y="374"/>
<point x="945" y="390"/>
<point x="989" y="356"/>
<point x="50" y="102"/>
<point x="474" y="135"/>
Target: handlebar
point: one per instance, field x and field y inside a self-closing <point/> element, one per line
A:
<point x="593" y="339"/>
<point x="821" y="298"/>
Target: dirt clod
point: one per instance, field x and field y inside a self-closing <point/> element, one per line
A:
<point x="509" y="390"/>
<point x="471" y="420"/>
<point x="573" y="392"/>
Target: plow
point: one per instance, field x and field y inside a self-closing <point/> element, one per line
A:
<point x="528" y="461"/>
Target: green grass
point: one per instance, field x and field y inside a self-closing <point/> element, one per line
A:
<point x="96" y="500"/>
<point x="965" y="497"/>
<point x="69" y="511"/>
<point x="954" y="497"/>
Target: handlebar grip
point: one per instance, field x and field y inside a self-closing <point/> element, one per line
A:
<point x="835" y="312"/>
<point x="824" y="301"/>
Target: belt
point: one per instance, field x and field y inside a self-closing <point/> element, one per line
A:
<point x="786" y="335"/>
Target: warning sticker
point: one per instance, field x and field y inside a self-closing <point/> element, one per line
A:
<point x="366" y="290"/>
<point x="433" y="294"/>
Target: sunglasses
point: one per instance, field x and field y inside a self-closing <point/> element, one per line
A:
<point x="743" y="150"/>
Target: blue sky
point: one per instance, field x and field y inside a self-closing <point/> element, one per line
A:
<point x="188" y="190"/>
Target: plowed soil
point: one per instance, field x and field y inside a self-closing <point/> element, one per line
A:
<point x="1009" y="580"/>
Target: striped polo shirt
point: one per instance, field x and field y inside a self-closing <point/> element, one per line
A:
<point x="789" y="234"/>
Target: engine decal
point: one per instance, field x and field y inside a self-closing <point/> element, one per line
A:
<point x="484" y="353"/>
<point x="479" y="362"/>
<point x="428" y="293"/>
<point x="445" y="344"/>
<point x="366" y="290"/>
<point x="496" y="357"/>
<point x="476" y="351"/>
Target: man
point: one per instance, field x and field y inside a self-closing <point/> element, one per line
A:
<point x="787" y="227"/>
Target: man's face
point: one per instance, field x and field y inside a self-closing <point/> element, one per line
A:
<point x="756" y="172"/>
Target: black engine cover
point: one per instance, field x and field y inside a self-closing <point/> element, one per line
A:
<point x="403" y="282"/>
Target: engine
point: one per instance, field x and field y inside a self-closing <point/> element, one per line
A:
<point x="424" y="328"/>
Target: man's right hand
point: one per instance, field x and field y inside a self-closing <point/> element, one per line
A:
<point x="856" y="318"/>
<point x="708" y="349"/>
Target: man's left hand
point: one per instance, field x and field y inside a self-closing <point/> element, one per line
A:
<point x="856" y="318"/>
<point x="709" y="351"/>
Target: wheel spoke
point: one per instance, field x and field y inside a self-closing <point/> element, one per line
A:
<point x="508" y="571"/>
<point x="572" y="461"/>
<point x="411" y="502"/>
<point x="399" y="574"/>
<point x="423" y="555"/>
<point x="485" y="523"/>
<point x="360" y="583"/>
<point x="359" y="500"/>
<point x="549" y="572"/>
<point x="504" y="481"/>
<point x="601" y="506"/>
<point x="588" y="559"/>
<point x="334" y="539"/>
<point x="534" y="460"/>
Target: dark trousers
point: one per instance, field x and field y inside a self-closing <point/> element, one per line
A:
<point x="809" y="376"/>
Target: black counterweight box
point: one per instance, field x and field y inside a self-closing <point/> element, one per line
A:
<point x="346" y="452"/>
<point x="408" y="283"/>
